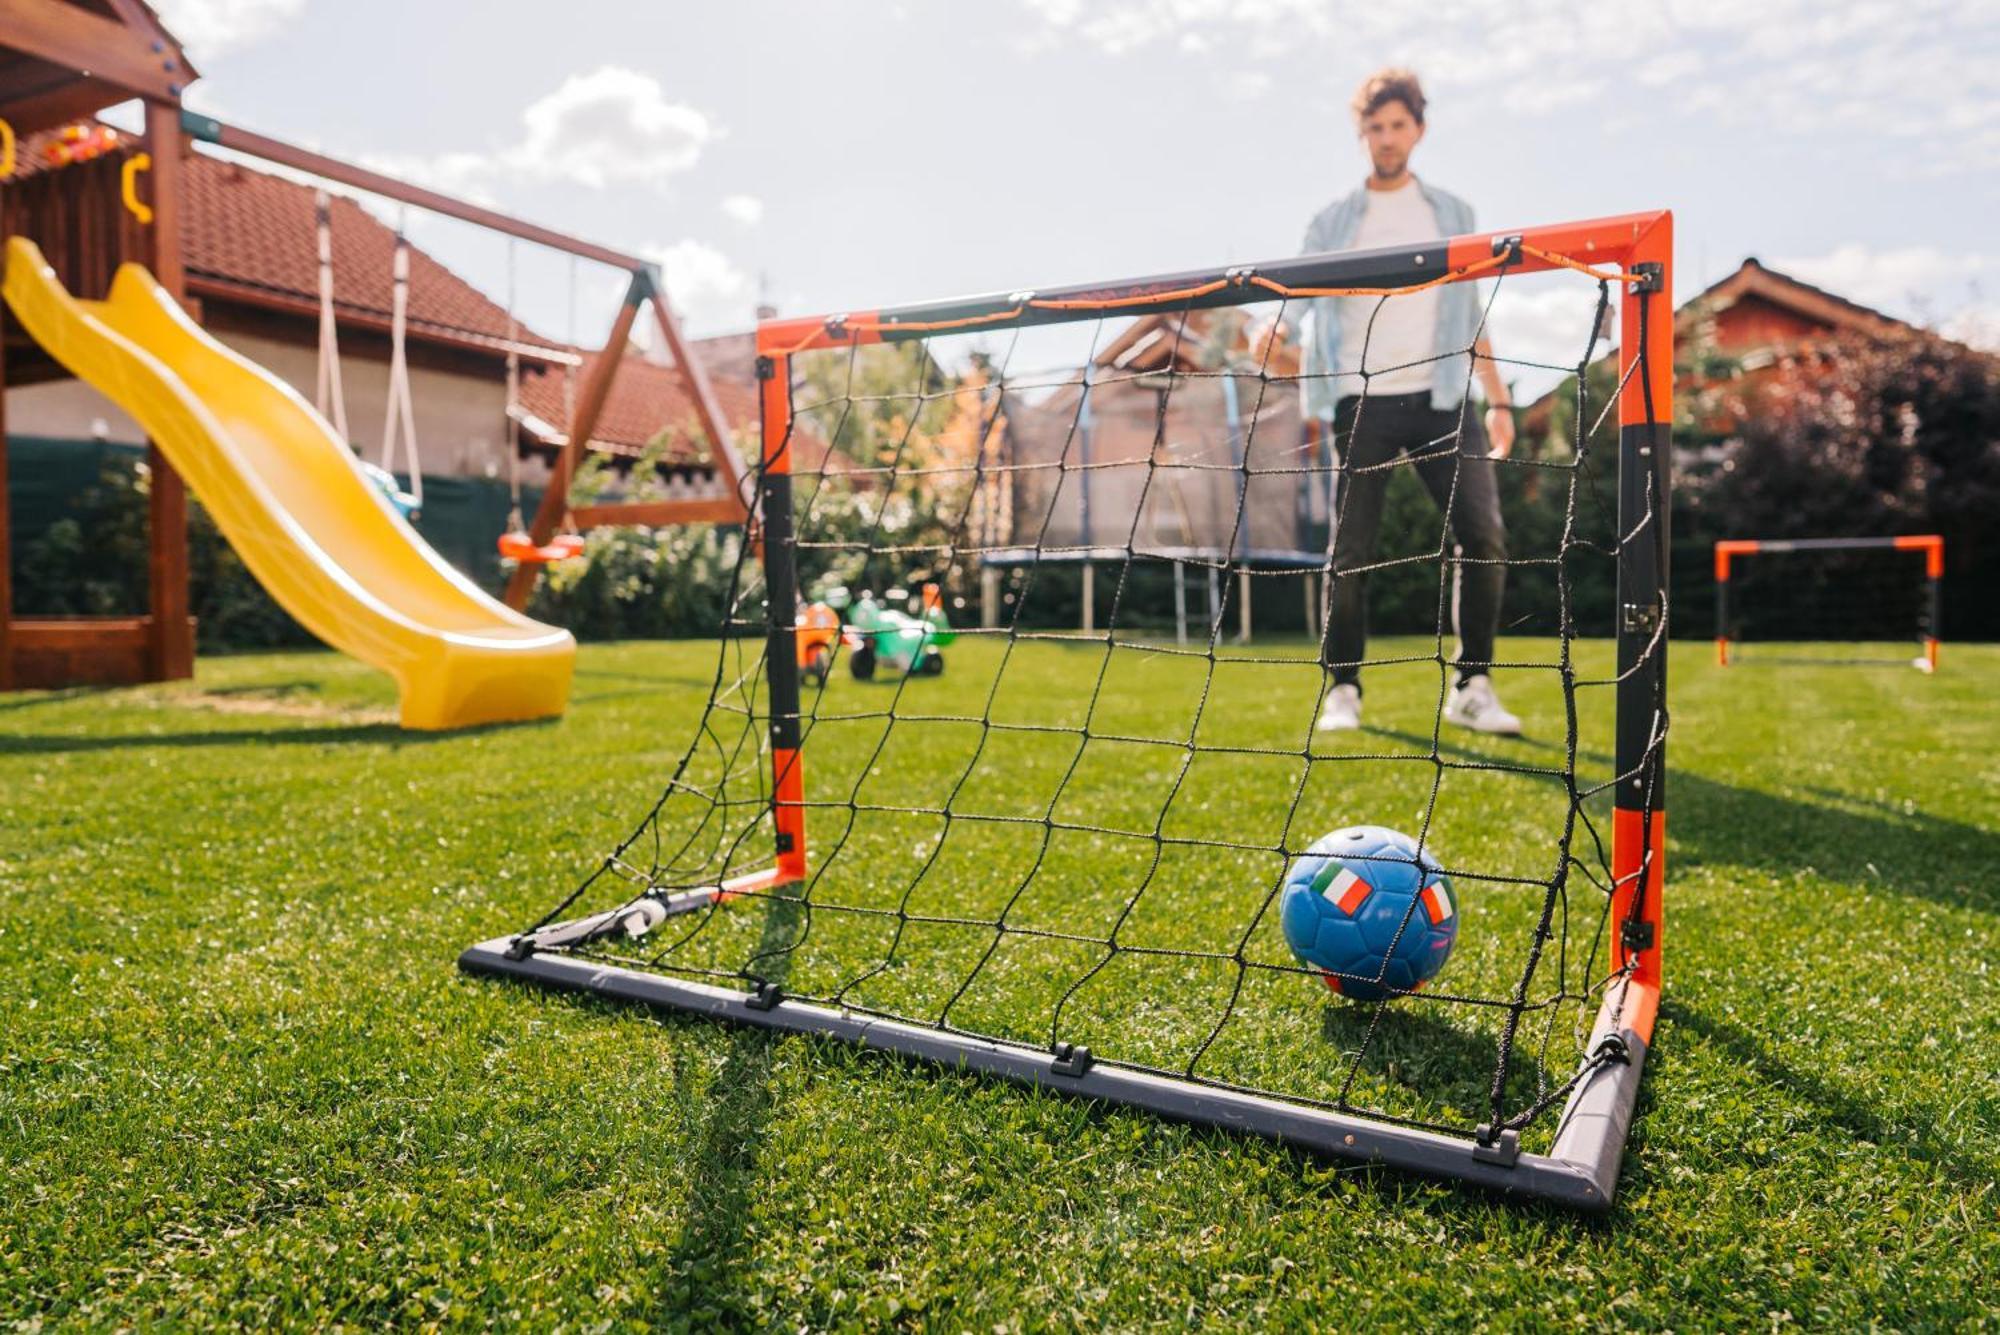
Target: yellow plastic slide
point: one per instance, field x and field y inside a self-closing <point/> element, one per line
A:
<point x="289" y="496"/>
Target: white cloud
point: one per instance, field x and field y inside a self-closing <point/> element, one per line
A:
<point x="1796" y="66"/>
<point x="609" y="126"/>
<point x="613" y="124"/>
<point x="213" y="28"/>
<point x="745" y="209"/>
<point x="705" y="287"/>
<point x="1950" y="290"/>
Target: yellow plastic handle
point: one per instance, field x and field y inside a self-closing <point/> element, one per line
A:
<point x="128" y="185"/>
<point x="6" y="150"/>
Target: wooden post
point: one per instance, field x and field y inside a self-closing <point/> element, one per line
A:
<point x="590" y="402"/>
<point x="170" y="640"/>
<point x="1089" y="597"/>
<point x="1243" y="605"/>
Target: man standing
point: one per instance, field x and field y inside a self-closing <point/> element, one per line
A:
<point x="1406" y="358"/>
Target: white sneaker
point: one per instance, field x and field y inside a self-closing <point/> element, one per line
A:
<point x="1342" y="710"/>
<point x="1475" y="706"/>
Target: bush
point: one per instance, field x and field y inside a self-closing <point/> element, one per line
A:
<point x="93" y="562"/>
<point x="1868" y="433"/>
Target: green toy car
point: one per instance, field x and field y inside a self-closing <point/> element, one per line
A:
<point x="881" y="638"/>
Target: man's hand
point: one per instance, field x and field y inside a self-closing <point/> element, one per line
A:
<point x="1500" y="431"/>
<point x="1266" y="336"/>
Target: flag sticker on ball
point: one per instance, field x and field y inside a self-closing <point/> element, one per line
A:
<point x="1347" y="891"/>
<point x="1437" y="904"/>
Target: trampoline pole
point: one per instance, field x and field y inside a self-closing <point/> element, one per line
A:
<point x="1180" y="603"/>
<point x="1243" y="605"/>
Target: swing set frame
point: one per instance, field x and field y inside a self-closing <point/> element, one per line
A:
<point x="62" y="63"/>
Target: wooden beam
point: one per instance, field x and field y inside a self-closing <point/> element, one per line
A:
<point x="590" y="400"/>
<point x="728" y="465"/>
<point x="74" y="37"/>
<point x="170" y="646"/>
<point x="53" y="652"/>
<point x="146" y="24"/>
<point x="660" y="514"/>
<point x="212" y="131"/>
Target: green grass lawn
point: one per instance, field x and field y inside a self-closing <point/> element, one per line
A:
<point x="242" y="1082"/>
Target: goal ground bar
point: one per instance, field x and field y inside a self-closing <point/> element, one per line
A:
<point x="1581" y="1171"/>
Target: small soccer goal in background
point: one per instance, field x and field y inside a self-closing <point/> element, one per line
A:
<point x="1829" y="600"/>
<point x="1062" y="861"/>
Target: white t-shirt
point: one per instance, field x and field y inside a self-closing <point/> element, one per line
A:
<point x="1403" y="332"/>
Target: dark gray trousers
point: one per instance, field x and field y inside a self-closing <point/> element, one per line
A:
<point x="1463" y="481"/>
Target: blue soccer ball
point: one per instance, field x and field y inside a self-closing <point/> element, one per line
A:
<point x="1367" y="904"/>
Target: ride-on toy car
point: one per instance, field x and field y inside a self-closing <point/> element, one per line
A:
<point x="881" y="638"/>
<point x="818" y="632"/>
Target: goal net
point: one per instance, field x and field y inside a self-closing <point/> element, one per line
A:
<point x="987" y="838"/>
<point x="1829" y="600"/>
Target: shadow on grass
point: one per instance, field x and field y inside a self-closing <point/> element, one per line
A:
<point x="317" y="735"/>
<point x="1850" y="1113"/>
<point x="279" y="690"/>
<point x="1712" y="823"/>
<point x="716" y="1239"/>
<point x="1437" y="1062"/>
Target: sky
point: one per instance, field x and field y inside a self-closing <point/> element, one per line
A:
<point x="832" y="155"/>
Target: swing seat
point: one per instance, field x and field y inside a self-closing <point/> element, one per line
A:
<point x="520" y="547"/>
<point x="406" y="503"/>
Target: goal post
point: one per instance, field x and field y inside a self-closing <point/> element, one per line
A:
<point x="1071" y="901"/>
<point x="1877" y="591"/>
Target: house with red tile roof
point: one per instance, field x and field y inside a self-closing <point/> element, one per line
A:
<point x="250" y="251"/>
<point x="1746" y="323"/>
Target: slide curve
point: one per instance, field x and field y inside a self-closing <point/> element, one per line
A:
<point x="290" y="497"/>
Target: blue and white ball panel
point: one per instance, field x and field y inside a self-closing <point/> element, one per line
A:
<point x="1368" y="903"/>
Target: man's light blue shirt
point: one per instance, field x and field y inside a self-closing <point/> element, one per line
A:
<point x="1458" y="308"/>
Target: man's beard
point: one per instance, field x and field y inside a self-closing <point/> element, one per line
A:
<point x="1388" y="169"/>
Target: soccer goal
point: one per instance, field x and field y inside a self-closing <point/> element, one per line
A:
<point x="1829" y="600"/>
<point x="1062" y="862"/>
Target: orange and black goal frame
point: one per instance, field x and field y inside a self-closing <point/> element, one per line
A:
<point x="1580" y="1169"/>
<point x="1729" y="551"/>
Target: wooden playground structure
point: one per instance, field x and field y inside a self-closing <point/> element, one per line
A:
<point x="61" y="62"/>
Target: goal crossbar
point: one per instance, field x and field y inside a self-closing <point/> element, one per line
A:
<point x="1631" y="255"/>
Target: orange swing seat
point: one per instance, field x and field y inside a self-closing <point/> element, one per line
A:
<point x="520" y="547"/>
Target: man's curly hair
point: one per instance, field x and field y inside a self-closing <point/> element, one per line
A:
<point x="1393" y="84"/>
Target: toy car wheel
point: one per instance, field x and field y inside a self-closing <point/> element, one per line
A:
<point x="817" y="665"/>
<point x="933" y="664"/>
<point x="862" y="663"/>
